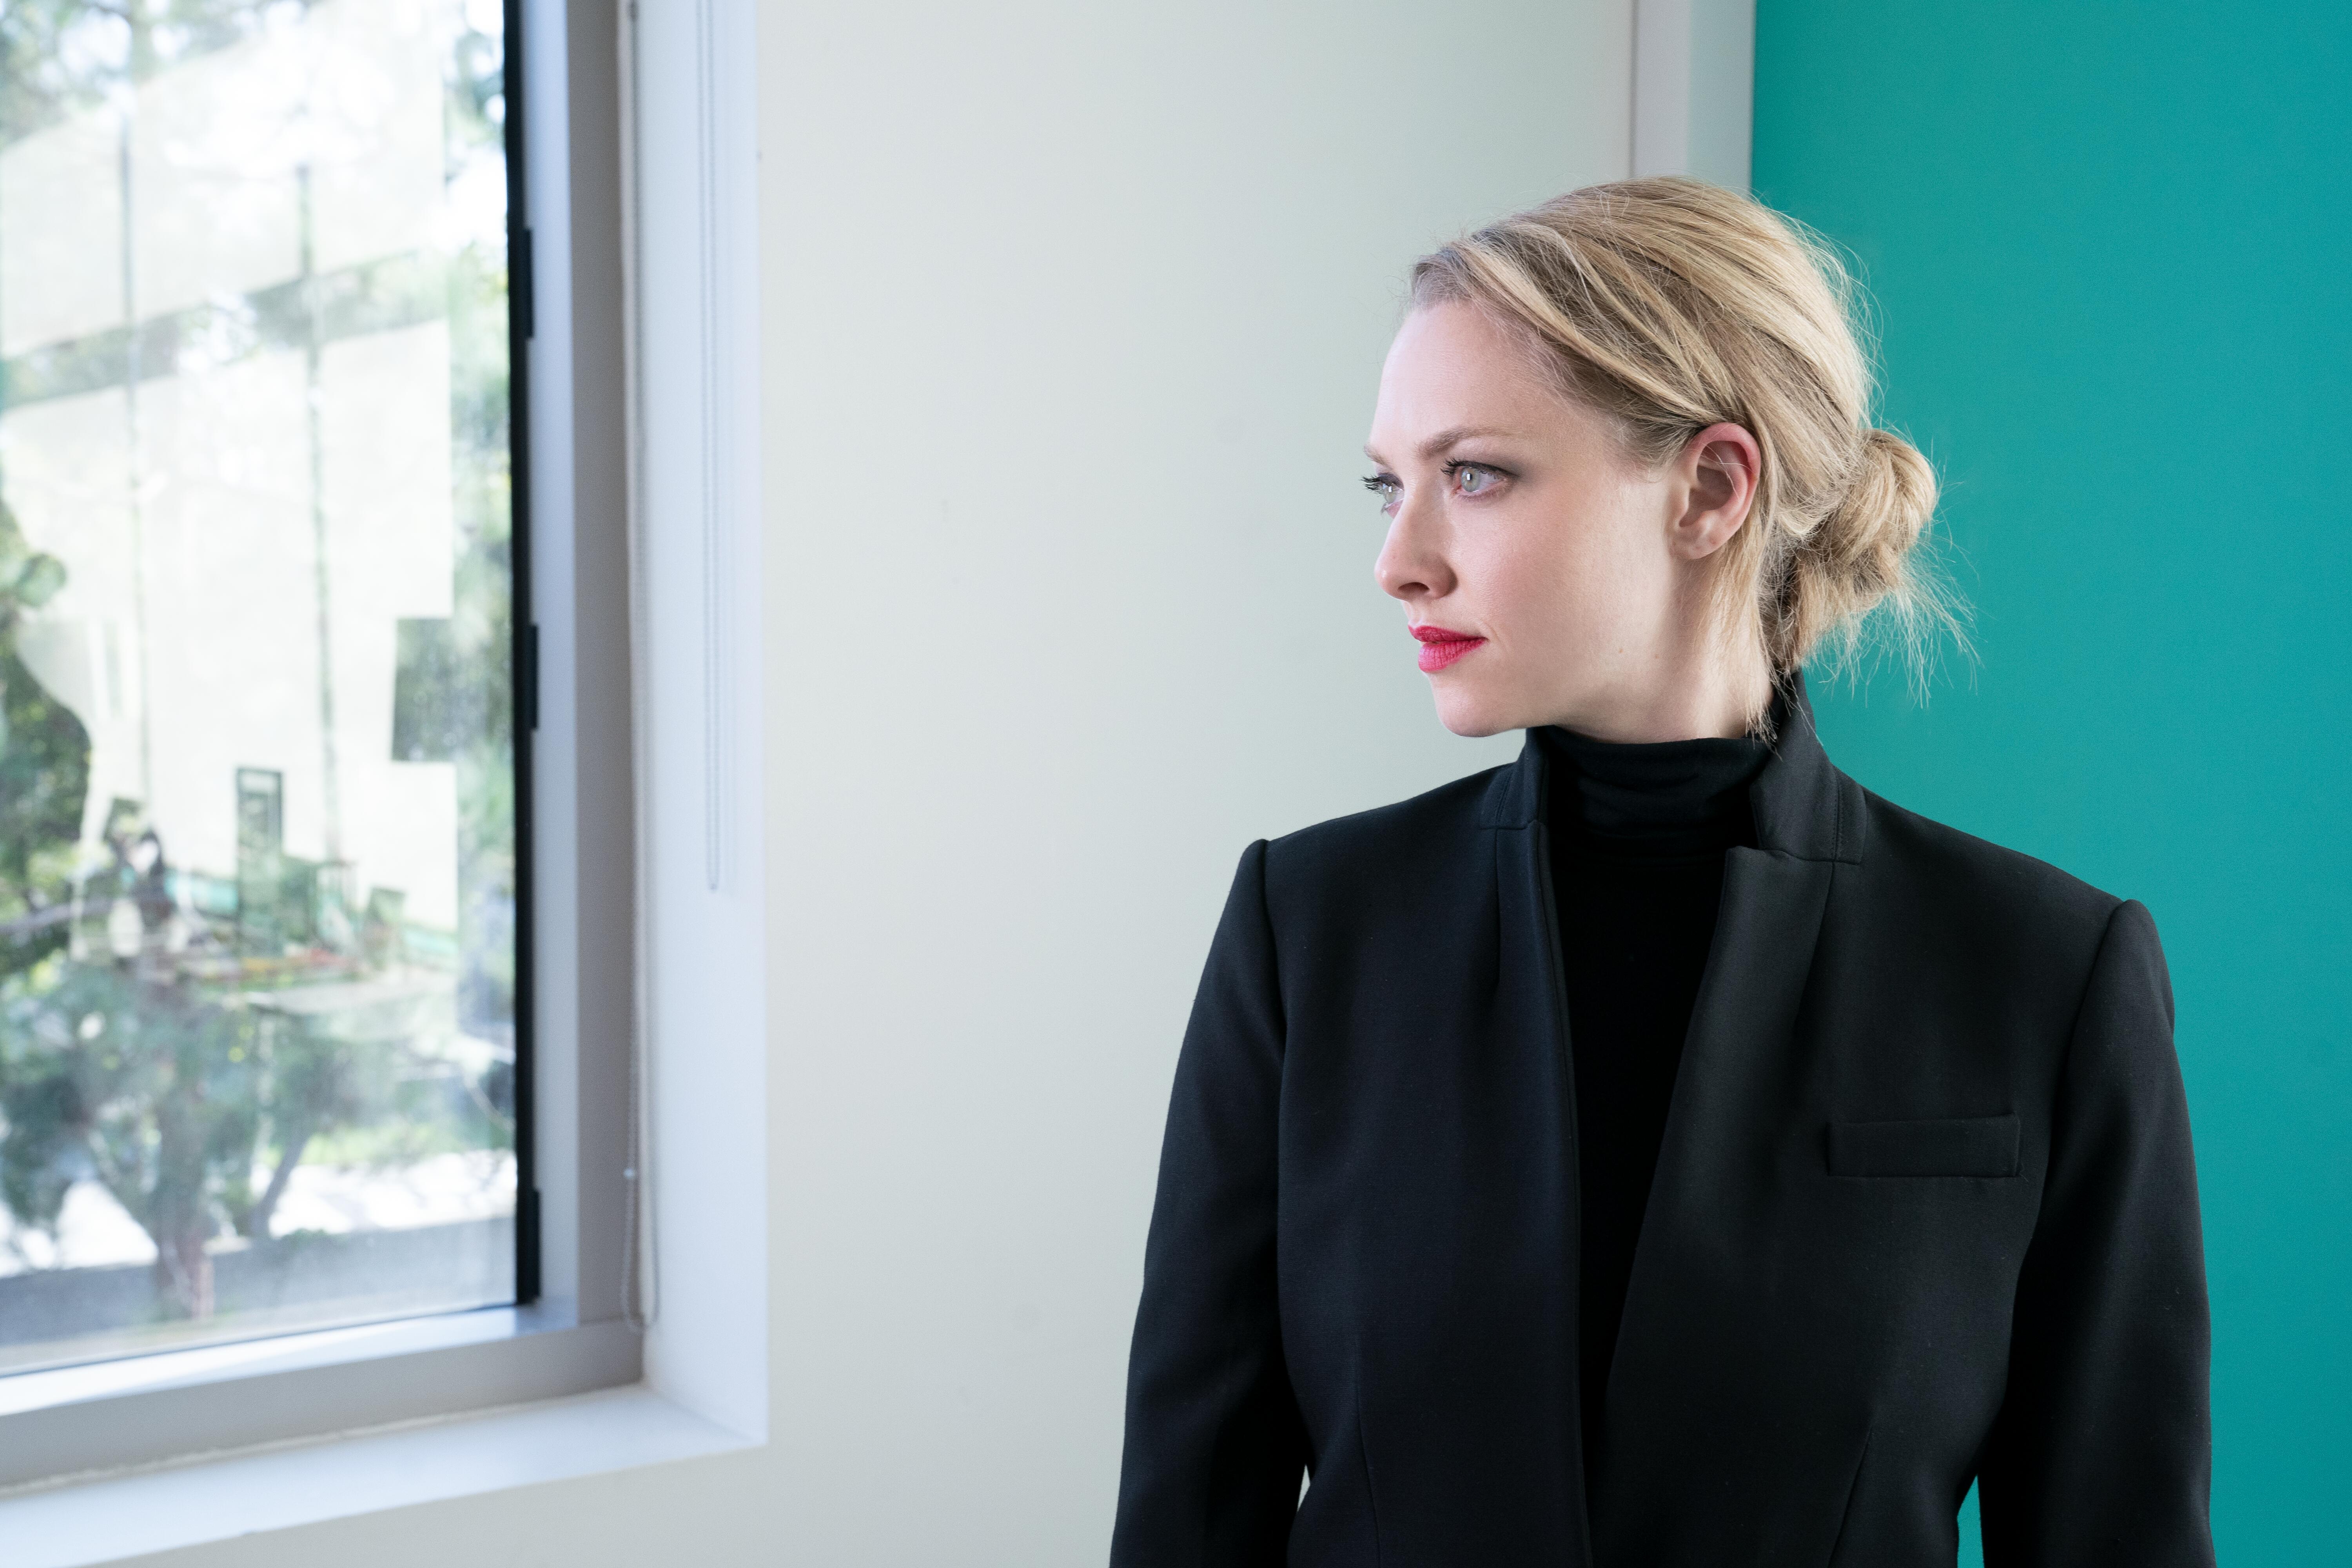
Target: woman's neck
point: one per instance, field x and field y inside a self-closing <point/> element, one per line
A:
<point x="1685" y="677"/>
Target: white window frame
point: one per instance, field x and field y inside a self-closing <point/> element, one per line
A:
<point x="648" y="900"/>
<point x="1693" y="88"/>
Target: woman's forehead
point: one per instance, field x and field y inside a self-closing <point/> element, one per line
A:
<point x="1455" y="373"/>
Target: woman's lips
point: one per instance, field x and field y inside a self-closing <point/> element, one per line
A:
<point x="1440" y="647"/>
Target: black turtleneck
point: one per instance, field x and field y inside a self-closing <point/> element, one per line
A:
<point x="1638" y="834"/>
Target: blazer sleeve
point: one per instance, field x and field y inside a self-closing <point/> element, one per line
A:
<point x="2103" y="1451"/>
<point x="1215" y="1447"/>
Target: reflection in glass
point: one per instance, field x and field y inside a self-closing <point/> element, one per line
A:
<point x="256" y="793"/>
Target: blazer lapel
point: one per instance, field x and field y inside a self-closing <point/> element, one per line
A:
<point x="1530" y="1008"/>
<point x="1740" y="1054"/>
<point x="1467" y="1355"/>
<point x="1740" y="1048"/>
<point x="1742" y="1074"/>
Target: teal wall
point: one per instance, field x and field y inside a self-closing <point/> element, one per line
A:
<point x="2111" y="247"/>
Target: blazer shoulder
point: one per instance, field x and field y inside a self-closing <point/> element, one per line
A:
<point x="1345" y="848"/>
<point x="1971" y="871"/>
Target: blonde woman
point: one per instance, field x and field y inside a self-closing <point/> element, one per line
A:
<point x="1662" y="1150"/>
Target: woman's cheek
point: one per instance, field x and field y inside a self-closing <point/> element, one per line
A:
<point x="1532" y="591"/>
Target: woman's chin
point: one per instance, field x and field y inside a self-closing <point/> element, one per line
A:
<point x="1469" y="714"/>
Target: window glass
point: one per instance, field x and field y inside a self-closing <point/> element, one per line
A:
<point x="256" y="790"/>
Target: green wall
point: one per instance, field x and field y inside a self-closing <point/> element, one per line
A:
<point x="2111" y="247"/>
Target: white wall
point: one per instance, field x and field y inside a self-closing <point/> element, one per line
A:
<point x="1072" y="317"/>
<point x="1075" y="314"/>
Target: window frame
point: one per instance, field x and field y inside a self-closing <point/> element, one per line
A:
<point x="522" y="654"/>
<point x="575" y="851"/>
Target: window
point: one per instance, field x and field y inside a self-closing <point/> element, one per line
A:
<point x="260" y="838"/>
<point x="596" y="84"/>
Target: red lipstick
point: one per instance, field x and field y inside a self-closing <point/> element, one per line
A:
<point x="1440" y="647"/>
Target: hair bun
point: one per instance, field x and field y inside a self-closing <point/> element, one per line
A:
<point x="1862" y="543"/>
<point x="1857" y="557"/>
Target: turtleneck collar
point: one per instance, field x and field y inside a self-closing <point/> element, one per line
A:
<point x="1660" y="798"/>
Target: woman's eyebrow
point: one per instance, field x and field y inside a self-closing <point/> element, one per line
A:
<point x="1444" y="439"/>
<point x="1460" y="433"/>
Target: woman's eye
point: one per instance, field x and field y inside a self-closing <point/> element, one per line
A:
<point x="1387" y="487"/>
<point x="1471" y="479"/>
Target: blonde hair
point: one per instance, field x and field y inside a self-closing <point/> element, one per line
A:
<point x="1671" y="305"/>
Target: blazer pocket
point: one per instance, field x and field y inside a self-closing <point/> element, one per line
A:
<point x="1947" y="1146"/>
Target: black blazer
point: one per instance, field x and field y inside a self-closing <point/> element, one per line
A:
<point x="1925" y="1211"/>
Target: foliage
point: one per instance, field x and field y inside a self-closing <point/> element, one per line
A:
<point x="44" y="771"/>
<point x="147" y="1089"/>
<point x="171" y="1098"/>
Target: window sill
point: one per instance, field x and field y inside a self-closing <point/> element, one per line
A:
<point x="106" y="1520"/>
<point x="109" y="1417"/>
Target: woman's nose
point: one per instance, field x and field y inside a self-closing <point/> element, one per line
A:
<point x="1408" y="567"/>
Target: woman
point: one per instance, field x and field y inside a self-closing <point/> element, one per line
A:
<point x="1662" y="1150"/>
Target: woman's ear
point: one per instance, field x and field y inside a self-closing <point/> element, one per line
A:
<point x="1718" y="468"/>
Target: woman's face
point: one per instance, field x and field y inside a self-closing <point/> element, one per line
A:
<point x="1548" y="578"/>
